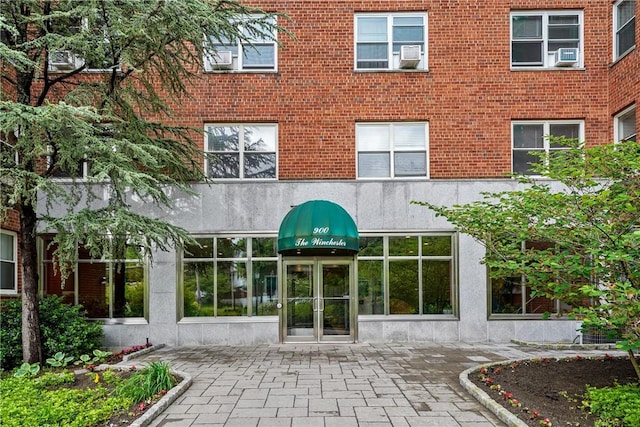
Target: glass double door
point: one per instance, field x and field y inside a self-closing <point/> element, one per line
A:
<point x="317" y="301"/>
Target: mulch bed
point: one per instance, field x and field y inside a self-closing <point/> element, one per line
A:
<point x="549" y="388"/>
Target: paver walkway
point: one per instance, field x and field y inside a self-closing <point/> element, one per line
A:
<point x="325" y="385"/>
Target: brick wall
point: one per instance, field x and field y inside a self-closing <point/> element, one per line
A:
<point x="624" y="78"/>
<point x="469" y="95"/>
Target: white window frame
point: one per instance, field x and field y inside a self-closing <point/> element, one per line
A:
<point x="393" y="58"/>
<point x="391" y="149"/>
<point x="616" y="30"/>
<point x="78" y="61"/>
<point x="621" y="118"/>
<point x="237" y="49"/>
<point x="546" y="132"/>
<point x="241" y="150"/>
<point x="14" y="261"/>
<point x="62" y="177"/>
<point x="547" y="56"/>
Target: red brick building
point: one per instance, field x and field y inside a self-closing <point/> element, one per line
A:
<point x="373" y="105"/>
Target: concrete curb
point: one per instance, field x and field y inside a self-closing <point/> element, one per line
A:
<point x="503" y="414"/>
<point x="161" y="404"/>
<point x="130" y="356"/>
<point x="565" y="346"/>
<point x="166" y="400"/>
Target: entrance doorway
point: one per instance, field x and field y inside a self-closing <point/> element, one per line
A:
<point x="317" y="300"/>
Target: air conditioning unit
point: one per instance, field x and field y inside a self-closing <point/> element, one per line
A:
<point x="222" y="60"/>
<point x="566" y="57"/>
<point x="62" y="60"/>
<point x="409" y="56"/>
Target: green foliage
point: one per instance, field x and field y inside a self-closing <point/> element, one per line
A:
<point x="32" y="403"/>
<point x="617" y="406"/>
<point x="64" y="328"/>
<point x="148" y="382"/>
<point x="110" y="377"/>
<point x="59" y="360"/>
<point x="587" y="216"/>
<point x="51" y="379"/>
<point x="117" y="123"/>
<point x="98" y="357"/>
<point x="27" y="370"/>
<point x="148" y="52"/>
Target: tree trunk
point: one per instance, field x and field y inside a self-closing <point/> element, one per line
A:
<point x="31" y="340"/>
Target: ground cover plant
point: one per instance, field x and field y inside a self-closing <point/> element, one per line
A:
<point x="63" y="395"/>
<point x="578" y="391"/>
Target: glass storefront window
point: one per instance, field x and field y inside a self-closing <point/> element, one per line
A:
<point x="406" y="274"/>
<point x="230" y="276"/>
<point x="111" y="288"/>
<point x="370" y="287"/>
<point x="404" y="287"/>
<point x="265" y="288"/>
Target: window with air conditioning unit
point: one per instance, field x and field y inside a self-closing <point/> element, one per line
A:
<point x="391" y="41"/>
<point x="547" y="39"/>
<point x="221" y="60"/>
<point x="62" y="60"/>
<point x="257" y="52"/>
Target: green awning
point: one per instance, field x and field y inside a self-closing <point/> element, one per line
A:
<point x="318" y="227"/>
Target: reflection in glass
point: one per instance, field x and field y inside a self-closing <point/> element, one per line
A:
<point x="203" y="249"/>
<point x="436" y="245"/>
<point x="232" y="247"/>
<point x="300" y="300"/>
<point x="231" y="289"/>
<point x="403" y="246"/>
<point x="436" y="287"/>
<point x="198" y="289"/>
<point x="370" y="287"/>
<point x="403" y="287"/>
<point x="335" y="304"/>
<point x="265" y="288"/>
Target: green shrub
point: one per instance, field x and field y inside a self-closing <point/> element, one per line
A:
<point x="64" y="328"/>
<point x="617" y="406"/>
<point x="147" y="382"/>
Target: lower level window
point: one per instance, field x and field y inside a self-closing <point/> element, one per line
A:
<point x="533" y="136"/>
<point x="106" y="288"/>
<point x="230" y="276"/>
<point x="625" y="125"/>
<point x="241" y="151"/>
<point x="8" y="262"/>
<point x="392" y="150"/>
<point x="513" y="295"/>
<point x="412" y="274"/>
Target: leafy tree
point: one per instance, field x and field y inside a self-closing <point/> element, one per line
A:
<point x="112" y="128"/>
<point x="586" y="208"/>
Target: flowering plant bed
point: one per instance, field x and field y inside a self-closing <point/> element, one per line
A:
<point x="550" y="392"/>
<point x="93" y="395"/>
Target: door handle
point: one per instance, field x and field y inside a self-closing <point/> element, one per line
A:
<point x="315" y="304"/>
<point x="321" y="304"/>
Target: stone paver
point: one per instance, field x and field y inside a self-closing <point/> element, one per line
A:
<point x="327" y="385"/>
